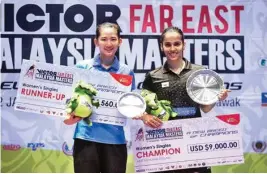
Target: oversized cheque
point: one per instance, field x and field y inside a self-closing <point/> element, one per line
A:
<point x="46" y="88"/>
<point x="188" y="143"/>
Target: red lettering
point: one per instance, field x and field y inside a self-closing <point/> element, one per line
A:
<point x="237" y="10"/>
<point x="149" y="20"/>
<point x="163" y="151"/>
<point x="134" y="18"/>
<point x="177" y="150"/>
<point x="64" y="75"/>
<point x="40" y="94"/>
<point x="158" y="152"/>
<point x="165" y="19"/>
<point x="173" y="129"/>
<point x="49" y="95"/>
<point x="62" y="96"/>
<point x="23" y="91"/>
<point x="139" y="154"/>
<point x="28" y="92"/>
<point x="45" y="94"/>
<point x="150" y="154"/>
<point x="221" y="19"/>
<point x="204" y="20"/>
<point x="205" y="23"/>
<point x="187" y="19"/>
<point x="34" y="93"/>
<point x="171" y="151"/>
<point x="11" y="147"/>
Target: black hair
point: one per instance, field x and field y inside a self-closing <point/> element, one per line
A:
<point x="171" y="29"/>
<point x="107" y="25"/>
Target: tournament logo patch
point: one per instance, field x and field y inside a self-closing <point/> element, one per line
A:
<point x="30" y="72"/>
<point x="140" y="135"/>
<point x="66" y="149"/>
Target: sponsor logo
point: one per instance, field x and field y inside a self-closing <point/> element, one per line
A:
<point x="259" y="146"/>
<point x="11" y="147"/>
<point x="20" y="107"/>
<point x="263" y="62"/>
<point x="234" y="102"/>
<point x="26" y="108"/>
<point x="66" y="149"/>
<point x="9" y="85"/>
<point x="125" y="80"/>
<point x="53" y="76"/>
<point x="140" y="170"/>
<point x="232" y="119"/>
<point x="30" y="72"/>
<point x="165" y="133"/>
<point x="264" y="99"/>
<point x="35" y="146"/>
<point x="185" y="111"/>
<point x="151" y="169"/>
<point x="140" y="135"/>
<point x="233" y="86"/>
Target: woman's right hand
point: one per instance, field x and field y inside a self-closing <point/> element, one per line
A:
<point x="150" y="120"/>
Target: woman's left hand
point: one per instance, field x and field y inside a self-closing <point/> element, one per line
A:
<point x="223" y="94"/>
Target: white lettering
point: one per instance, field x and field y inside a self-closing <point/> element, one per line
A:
<point x="73" y="45"/>
<point x="134" y="56"/>
<point x="6" y="54"/>
<point x="152" y="54"/>
<point x="37" y="50"/>
<point x="234" y="62"/>
<point x="56" y="50"/>
<point x="216" y="57"/>
<point x="198" y="50"/>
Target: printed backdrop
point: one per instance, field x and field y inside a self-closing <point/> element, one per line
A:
<point x="227" y="36"/>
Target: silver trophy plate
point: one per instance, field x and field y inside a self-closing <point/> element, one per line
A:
<point x="131" y="104"/>
<point x="204" y="86"/>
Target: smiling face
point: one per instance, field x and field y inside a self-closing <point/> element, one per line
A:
<point x="108" y="41"/>
<point x="173" y="45"/>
